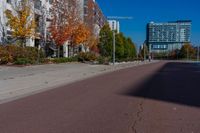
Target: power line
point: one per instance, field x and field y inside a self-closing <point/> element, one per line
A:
<point x="120" y="17"/>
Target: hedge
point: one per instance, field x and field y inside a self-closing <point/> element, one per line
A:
<point x="15" y="54"/>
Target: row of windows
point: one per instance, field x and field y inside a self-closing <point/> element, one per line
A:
<point x="95" y="14"/>
<point x="159" y="46"/>
<point x="37" y="1"/>
<point x="9" y="1"/>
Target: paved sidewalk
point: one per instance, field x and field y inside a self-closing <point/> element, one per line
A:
<point x="18" y="82"/>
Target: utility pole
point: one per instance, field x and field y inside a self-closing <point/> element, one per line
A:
<point x="114" y="38"/>
<point x="144" y="52"/>
<point x="197" y="53"/>
<point x="187" y="54"/>
<point x="114" y="49"/>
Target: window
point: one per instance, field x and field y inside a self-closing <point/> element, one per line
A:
<point x="113" y="25"/>
<point x="50" y="1"/>
<point x="159" y="46"/>
<point x="9" y="1"/>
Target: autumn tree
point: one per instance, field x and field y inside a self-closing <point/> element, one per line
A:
<point x="81" y="35"/>
<point x="59" y="26"/>
<point x="21" y="20"/>
<point x="187" y="51"/>
<point x="67" y="24"/>
<point x="90" y="19"/>
<point x="92" y="43"/>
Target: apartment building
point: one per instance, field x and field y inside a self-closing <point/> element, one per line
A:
<point x="92" y="15"/>
<point x="168" y="36"/>
<point x="41" y="11"/>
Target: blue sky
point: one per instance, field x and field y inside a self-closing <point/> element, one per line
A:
<point x="144" y="11"/>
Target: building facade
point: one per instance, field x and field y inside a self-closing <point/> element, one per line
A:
<point x="40" y="11"/>
<point x="93" y="16"/>
<point x="114" y="25"/>
<point x="90" y="14"/>
<point x="169" y="36"/>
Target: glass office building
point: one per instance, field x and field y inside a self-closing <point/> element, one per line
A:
<point x="169" y="36"/>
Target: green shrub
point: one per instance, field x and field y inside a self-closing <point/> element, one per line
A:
<point x="22" y="61"/>
<point x="103" y="60"/>
<point x="12" y="54"/>
<point x="64" y="60"/>
<point x="88" y="56"/>
<point x="45" y="60"/>
<point x="100" y="60"/>
<point x="60" y="60"/>
<point x="4" y="56"/>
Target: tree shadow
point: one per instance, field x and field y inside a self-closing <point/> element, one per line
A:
<point x="174" y="82"/>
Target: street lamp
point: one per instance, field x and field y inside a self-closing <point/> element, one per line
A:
<point x="144" y="51"/>
<point x="114" y="40"/>
<point x="187" y="54"/>
<point x="197" y="53"/>
<point x="114" y="49"/>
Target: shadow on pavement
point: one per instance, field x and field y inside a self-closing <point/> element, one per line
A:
<point x="174" y="82"/>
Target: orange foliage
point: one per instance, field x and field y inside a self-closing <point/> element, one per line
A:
<point x="67" y="24"/>
<point x="81" y="35"/>
<point x="65" y="21"/>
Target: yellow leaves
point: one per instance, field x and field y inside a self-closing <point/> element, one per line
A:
<point x="82" y="33"/>
<point x="92" y="42"/>
<point x="84" y="36"/>
<point x="21" y="23"/>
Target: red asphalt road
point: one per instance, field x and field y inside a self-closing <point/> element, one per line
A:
<point x="156" y="98"/>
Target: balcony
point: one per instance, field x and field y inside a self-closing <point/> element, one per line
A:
<point x="37" y="7"/>
<point x="37" y="4"/>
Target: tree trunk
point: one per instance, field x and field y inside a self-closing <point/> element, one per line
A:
<point x="73" y="50"/>
<point x="23" y="41"/>
<point x="72" y="46"/>
<point x="38" y="57"/>
<point x="58" y="51"/>
<point x="85" y="48"/>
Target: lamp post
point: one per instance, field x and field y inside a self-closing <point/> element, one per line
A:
<point x="114" y="49"/>
<point x="187" y="54"/>
<point x="144" y="51"/>
<point x="114" y="39"/>
<point x="197" y="53"/>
